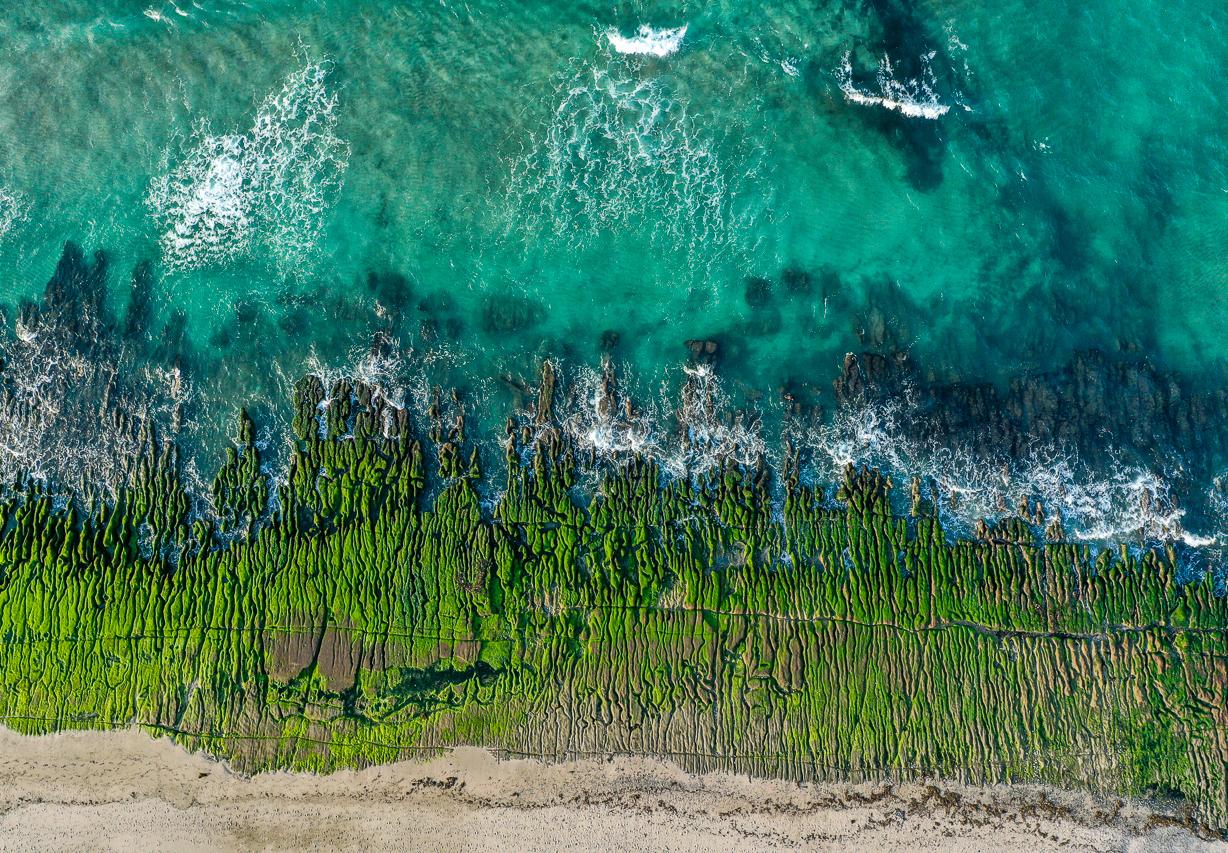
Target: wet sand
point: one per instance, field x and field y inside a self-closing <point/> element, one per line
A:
<point x="124" y="790"/>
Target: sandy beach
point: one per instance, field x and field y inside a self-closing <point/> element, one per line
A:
<point x="123" y="790"/>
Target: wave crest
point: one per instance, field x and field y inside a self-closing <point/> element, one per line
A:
<point x="266" y="189"/>
<point x="915" y="98"/>
<point x="206" y="203"/>
<point x="647" y="41"/>
<point x="622" y="154"/>
<point x="1116" y="502"/>
<point x="77" y="421"/>
<point x="601" y="420"/>
<point x="13" y="208"/>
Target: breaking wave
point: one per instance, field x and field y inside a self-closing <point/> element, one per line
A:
<point x="622" y="154"/>
<point x="399" y="376"/>
<point x="711" y="433"/>
<point x="602" y="421"/>
<point x="647" y="41"/>
<point x="267" y="189"/>
<point x="915" y="98"/>
<point x="689" y="435"/>
<point x="1116" y="502"/>
<point x="698" y="430"/>
<point x="77" y="421"/>
<point x="13" y="208"/>
<point x="298" y="162"/>
<point x="384" y="372"/>
<point x="206" y="204"/>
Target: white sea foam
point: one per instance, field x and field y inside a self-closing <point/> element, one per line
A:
<point x="712" y="434"/>
<point x="1217" y="504"/>
<point x="776" y="53"/>
<point x="13" y="209"/>
<point x="648" y="41"/>
<point x="621" y="153"/>
<point x="267" y="189"/>
<point x="1116" y="502"/>
<point x="954" y="43"/>
<point x="384" y="372"/>
<point x="60" y="409"/>
<point x="298" y="163"/>
<point x="915" y="98"/>
<point x="600" y="420"/>
<point x="398" y="376"/>
<point x="206" y="203"/>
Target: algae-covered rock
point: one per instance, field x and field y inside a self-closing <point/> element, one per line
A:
<point x="349" y="618"/>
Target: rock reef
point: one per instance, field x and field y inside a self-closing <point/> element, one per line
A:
<point x="375" y="607"/>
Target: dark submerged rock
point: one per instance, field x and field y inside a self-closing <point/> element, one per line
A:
<point x="173" y="345"/>
<point x="75" y="298"/>
<point x="138" y="318"/>
<point x="1101" y="405"/>
<point x="510" y="313"/>
<point x="758" y="291"/>
<point x="703" y="351"/>
<point x="391" y="289"/>
<point x="796" y="281"/>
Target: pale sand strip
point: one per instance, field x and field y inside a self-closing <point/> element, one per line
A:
<point x="127" y="791"/>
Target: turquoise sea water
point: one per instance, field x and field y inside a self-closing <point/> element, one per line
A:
<point x="449" y="193"/>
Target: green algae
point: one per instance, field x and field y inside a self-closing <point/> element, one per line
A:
<point x="372" y="608"/>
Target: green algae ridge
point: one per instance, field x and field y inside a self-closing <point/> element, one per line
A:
<point x="373" y="608"/>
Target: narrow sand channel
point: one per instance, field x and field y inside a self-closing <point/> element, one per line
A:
<point x="127" y="791"/>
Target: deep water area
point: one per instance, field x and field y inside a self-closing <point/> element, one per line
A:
<point x="977" y="244"/>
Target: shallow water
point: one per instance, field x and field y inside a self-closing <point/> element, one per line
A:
<point x="449" y="193"/>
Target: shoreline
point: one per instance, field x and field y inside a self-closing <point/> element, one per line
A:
<point x="123" y="790"/>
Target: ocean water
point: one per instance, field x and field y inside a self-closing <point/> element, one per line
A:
<point x="1013" y="214"/>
